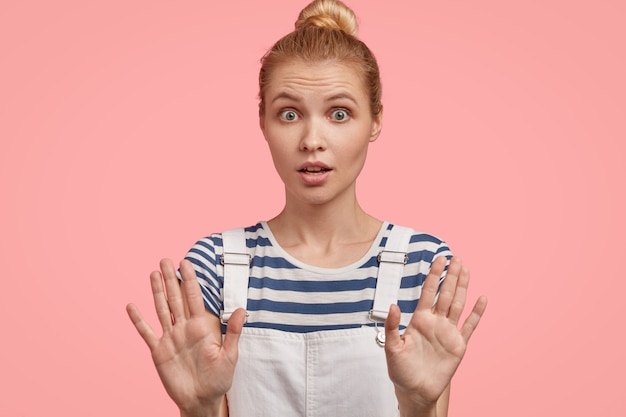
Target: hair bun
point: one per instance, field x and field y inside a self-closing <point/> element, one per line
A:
<point x="331" y="14"/>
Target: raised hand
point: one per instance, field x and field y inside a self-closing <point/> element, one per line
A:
<point x="422" y="362"/>
<point x="194" y="365"/>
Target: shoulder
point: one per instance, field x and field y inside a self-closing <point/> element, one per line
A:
<point x="424" y="245"/>
<point x="209" y="248"/>
<point x="416" y="236"/>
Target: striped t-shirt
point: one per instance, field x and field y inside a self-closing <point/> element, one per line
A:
<point x="289" y="295"/>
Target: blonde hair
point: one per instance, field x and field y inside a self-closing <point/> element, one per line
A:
<point x="330" y="14"/>
<point x="325" y="31"/>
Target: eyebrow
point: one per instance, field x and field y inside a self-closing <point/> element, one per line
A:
<point x="344" y="96"/>
<point x="340" y="96"/>
<point x="285" y="95"/>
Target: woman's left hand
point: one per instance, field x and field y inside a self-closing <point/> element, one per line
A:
<point x="423" y="360"/>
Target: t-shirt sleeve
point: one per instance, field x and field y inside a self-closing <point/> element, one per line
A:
<point x="203" y="258"/>
<point x="424" y="248"/>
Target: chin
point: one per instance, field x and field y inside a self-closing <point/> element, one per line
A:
<point x="318" y="196"/>
<point x="316" y="200"/>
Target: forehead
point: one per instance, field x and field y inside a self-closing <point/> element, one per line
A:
<point x="305" y="78"/>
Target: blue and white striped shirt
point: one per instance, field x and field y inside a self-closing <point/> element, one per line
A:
<point x="289" y="295"/>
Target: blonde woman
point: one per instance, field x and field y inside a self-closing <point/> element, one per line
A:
<point x="322" y="310"/>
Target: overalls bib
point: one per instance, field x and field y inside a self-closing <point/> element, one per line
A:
<point x="319" y="374"/>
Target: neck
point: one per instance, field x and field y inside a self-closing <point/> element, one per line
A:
<point x="336" y="221"/>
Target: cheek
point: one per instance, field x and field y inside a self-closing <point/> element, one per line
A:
<point x="279" y="152"/>
<point x="357" y="147"/>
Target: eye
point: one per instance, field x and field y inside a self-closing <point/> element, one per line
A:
<point x="288" y="115"/>
<point x="340" y="115"/>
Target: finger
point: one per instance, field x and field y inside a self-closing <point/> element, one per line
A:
<point x="474" y="318"/>
<point x="160" y="301"/>
<point x="172" y="286"/>
<point x="181" y="283"/>
<point x="448" y="288"/>
<point x="393" y="341"/>
<point x="191" y="290"/>
<point x="460" y="295"/>
<point x="431" y="284"/>
<point x="143" y="328"/>
<point x="184" y="296"/>
<point x="233" y="332"/>
<point x="185" y="306"/>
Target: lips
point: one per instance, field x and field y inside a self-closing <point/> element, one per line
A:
<point x="314" y="168"/>
<point x="314" y="173"/>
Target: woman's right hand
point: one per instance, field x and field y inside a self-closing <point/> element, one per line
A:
<point x="194" y="365"/>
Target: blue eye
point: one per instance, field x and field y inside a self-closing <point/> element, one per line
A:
<point x="340" y="115"/>
<point x="288" y="115"/>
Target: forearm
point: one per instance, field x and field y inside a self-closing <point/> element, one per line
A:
<point x="432" y="412"/>
<point x="219" y="409"/>
<point x="412" y="407"/>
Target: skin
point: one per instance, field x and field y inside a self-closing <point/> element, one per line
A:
<point x="317" y="115"/>
<point x="190" y="351"/>
<point x="332" y="124"/>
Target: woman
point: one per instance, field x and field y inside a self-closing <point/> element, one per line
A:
<point x="315" y="284"/>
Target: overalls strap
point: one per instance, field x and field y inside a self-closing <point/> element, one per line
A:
<point x="236" y="261"/>
<point x="391" y="266"/>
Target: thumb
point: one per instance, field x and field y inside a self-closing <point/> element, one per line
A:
<point x="392" y="329"/>
<point x="233" y="332"/>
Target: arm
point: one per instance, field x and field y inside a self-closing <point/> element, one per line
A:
<point x="422" y="362"/>
<point x="443" y="403"/>
<point x="196" y="368"/>
<point x="223" y="411"/>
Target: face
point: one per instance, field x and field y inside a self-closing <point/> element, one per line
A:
<point x="318" y="125"/>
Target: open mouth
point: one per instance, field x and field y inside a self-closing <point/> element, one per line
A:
<point x="314" y="170"/>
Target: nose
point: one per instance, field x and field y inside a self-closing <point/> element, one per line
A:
<point x="313" y="137"/>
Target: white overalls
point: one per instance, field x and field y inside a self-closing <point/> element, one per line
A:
<point x="318" y="374"/>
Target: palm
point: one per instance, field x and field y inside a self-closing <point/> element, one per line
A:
<point x="425" y="358"/>
<point x="187" y="360"/>
<point x="193" y="364"/>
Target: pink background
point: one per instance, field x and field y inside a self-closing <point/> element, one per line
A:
<point x="129" y="130"/>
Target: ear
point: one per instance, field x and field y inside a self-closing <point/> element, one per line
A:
<point x="377" y="125"/>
